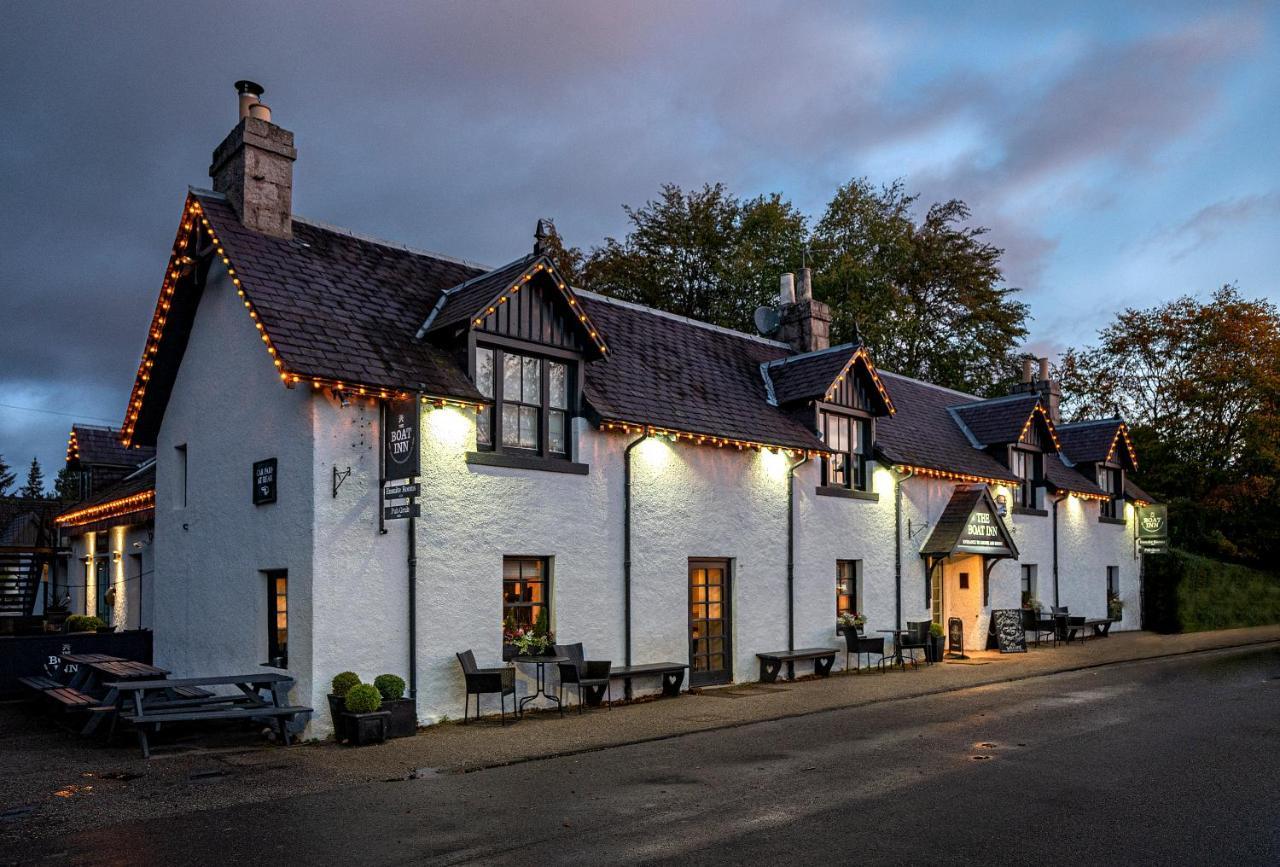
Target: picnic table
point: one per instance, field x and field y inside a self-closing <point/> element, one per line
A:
<point x="148" y="704"/>
<point x="91" y="671"/>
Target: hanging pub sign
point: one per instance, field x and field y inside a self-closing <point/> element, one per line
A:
<point x="264" y="482"/>
<point x="1153" y="529"/>
<point x="982" y="533"/>
<point x="400" y="446"/>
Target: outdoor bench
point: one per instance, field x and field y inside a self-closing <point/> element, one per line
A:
<point x="770" y="663"/>
<point x="280" y="715"/>
<point x="1100" y="626"/>
<point x="39" y="683"/>
<point x="70" y="699"/>
<point x="672" y="674"/>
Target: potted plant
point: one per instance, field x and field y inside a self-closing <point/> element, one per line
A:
<point x="1115" y="608"/>
<point x="851" y="620"/>
<point x="366" y="720"/>
<point x="403" y="722"/>
<point x="535" y="640"/>
<point x="339" y="687"/>
<point x="1033" y="604"/>
<point x="937" y="640"/>
<point x="84" y="623"/>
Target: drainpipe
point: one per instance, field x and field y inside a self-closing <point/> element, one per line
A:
<point x="791" y="550"/>
<point x="897" y="546"/>
<point x="1056" y="501"/>
<point x="626" y="550"/>
<point x="413" y="599"/>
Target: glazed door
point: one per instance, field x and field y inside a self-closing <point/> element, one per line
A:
<point x="710" y="654"/>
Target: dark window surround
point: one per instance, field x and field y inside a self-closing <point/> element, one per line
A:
<point x="847" y="493"/>
<point x="277" y="636"/>
<point x="1024" y="495"/>
<point x="544" y="568"/>
<point x="1024" y="510"/>
<point x="855" y="578"/>
<point x="1112" y="508"/>
<point x="857" y="471"/>
<point x="1103" y="519"/>
<point x="1028" y="588"/>
<point x="493" y="416"/>
<point x="520" y="460"/>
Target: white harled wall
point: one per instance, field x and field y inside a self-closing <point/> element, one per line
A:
<point x="230" y="409"/>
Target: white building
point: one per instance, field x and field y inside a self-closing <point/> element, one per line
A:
<point x="664" y="489"/>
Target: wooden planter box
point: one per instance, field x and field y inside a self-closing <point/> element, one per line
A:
<point x="367" y="728"/>
<point x="403" y="719"/>
<point x="341" y="722"/>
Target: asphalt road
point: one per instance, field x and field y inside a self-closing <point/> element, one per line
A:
<point x="1167" y="761"/>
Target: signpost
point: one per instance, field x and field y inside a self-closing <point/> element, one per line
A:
<point x="264" y="482"/>
<point x="1153" y="529"/>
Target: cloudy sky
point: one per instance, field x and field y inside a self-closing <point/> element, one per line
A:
<point x="1119" y="157"/>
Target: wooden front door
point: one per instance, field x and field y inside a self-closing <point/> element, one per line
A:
<point x="710" y="654"/>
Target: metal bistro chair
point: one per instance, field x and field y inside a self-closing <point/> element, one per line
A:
<point x="917" y="638"/>
<point x="592" y="674"/>
<point x="1060" y="615"/>
<point x="487" y="680"/>
<point x="1039" y="627"/>
<point x="860" y="645"/>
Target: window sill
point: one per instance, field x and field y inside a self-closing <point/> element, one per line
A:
<point x="847" y="493"/>
<point x="1103" y="519"/>
<point x="284" y="667"/>
<point x="526" y="462"/>
<point x="1023" y="510"/>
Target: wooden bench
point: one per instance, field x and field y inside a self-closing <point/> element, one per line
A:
<point x="70" y="699"/>
<point x="672" y="674"/>
<point x="1099" y="626"/>
<point x="771" y="663"/>
<point x="281" y="716"/>
<point x="39" y="683"/>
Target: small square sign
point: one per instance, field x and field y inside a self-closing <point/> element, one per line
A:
<point x="264" y="482"/>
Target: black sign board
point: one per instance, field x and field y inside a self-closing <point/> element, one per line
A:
<point x="981" y="534"/>
<point x="264" y="482"/>
<point x="400" y="439"/>
<point x="401" y="510"/>
<point x="1006" y="623"/>
<point x="399" y="492"/>
<point x="955" y="636"/>
<point x="1153" y="529"/>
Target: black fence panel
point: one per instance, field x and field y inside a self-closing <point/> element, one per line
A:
<point x="25" y="655"/>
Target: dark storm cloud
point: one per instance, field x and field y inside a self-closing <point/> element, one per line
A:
<point x="454" y="126"/>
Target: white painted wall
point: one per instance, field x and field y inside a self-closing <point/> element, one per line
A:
<point x="229" y="408"/>
<point x="114" y="546"/>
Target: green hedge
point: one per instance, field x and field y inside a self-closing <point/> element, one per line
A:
<point x="1190" y="593"/>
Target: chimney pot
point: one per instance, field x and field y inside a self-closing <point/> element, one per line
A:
<point x="260" y="111"/>
<point x="787" y="290"/>
<point x="249" y="92"/>
<point x="1044" y="370"/>
<point x="805" y="290"/>
<point x="1026" y="370"/>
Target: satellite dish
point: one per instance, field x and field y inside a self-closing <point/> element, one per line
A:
<point x="766" y="319"/>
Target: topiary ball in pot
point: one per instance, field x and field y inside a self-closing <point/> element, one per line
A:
<point x="390" y="686"/>
<point x="363" y="698"/>
<point x="343" y="682"/>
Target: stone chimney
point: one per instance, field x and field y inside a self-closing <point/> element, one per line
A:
<point x="253" y="167"/>
<point x="804" y="323"/>
<point x="1033" y="382"/>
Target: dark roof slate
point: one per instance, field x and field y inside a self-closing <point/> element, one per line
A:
<point x="809" y="376"/>
<point x="1090" y="441"/>
<point x="1133" y="492"/>
<point x="463" y="301"/>
<point x="344" y="308"/>
<point x="102" y="446"/>
<point x="923" y="433"/>
<point x="670" y="372"/>
<point x="1064" y="478"/>
<point x="997" y="421"/>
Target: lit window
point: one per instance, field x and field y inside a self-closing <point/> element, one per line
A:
<point x="278" y="618"/>
<point x="849" y="439"/>
<point x="525" y="601"/>
<point x="1028" y="584"/>
<point x="531" y="402"/>
<point x="848" y="587"/>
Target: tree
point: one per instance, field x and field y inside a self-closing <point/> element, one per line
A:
<point x="34" y="488"/>
<point x="568" y="260"/>
<point x="926" y="297"/>
<point x="66" y="486"/>
<point x="703" y="254"/>
<point x="6" y="478"/>
<point x="1199" y="383"/>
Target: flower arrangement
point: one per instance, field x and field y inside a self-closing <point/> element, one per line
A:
<point x="1115" y="607"/>
<point x="532" y="640"/>
<point x="1033" y="604"/>
<point x="852" y="618"/>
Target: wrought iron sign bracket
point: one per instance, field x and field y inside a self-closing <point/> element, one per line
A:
<point x="339" y="478"/>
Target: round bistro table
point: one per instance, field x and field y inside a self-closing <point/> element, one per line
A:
<point x="540" y="676"/>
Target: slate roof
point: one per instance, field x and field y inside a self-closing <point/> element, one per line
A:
<point x="140" y="481"/>
<point x="999" y="420"/>
<point x="342" y="307"/>
<point x="102" y="446"/>
<point x="1064" y="478"/>
<point x="459" y="303"/>
<point x="1090" y="441"/>
<point x="671" y="372"/>
<point x="808" y="376"/>
<point x="1133" y="492"/>
<point x="923" y="433"/>
<point x="955" y="515"/>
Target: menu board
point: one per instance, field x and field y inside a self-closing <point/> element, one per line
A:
<point x="1006" y="623"/>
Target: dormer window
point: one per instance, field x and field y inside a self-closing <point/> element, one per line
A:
<point x="1111" y="480"/>
<point x="1028" y="466"/>
<point x="531" y="401"/>
<point x="849" y="438"/>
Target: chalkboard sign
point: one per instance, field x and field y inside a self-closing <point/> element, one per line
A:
<point x="264" y="482"/>
<point x="1006" y="623"/>
<point x="955" y="635"/>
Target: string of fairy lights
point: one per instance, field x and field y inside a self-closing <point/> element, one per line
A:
<point x="861" y="353"/>
<point x="695" y="438"/>
<point x="524" y="278"/>
<point x="1123" y="431"/>
<point x="113" y="509"/>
